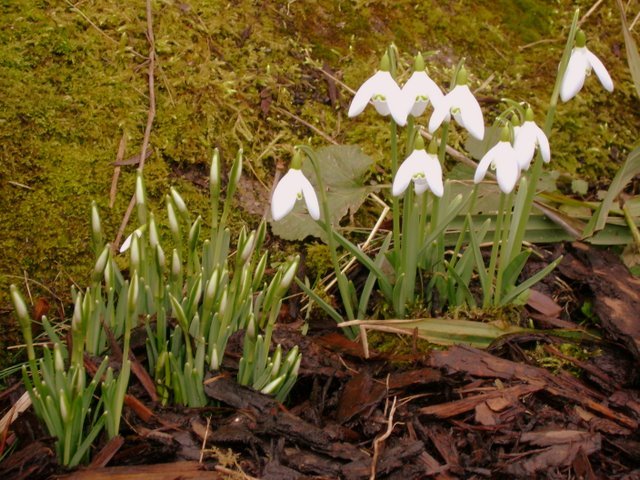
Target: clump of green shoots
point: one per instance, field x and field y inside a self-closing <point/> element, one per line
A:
<point x="192" y="302"/>
<point x="189" y="306"/>
<point x="58" y="389"/>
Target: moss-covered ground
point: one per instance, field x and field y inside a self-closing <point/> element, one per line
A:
<point x="73" y="82"/>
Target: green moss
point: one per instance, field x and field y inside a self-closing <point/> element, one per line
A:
<point x="224" y="77"/>
<point x="318" y="260"/>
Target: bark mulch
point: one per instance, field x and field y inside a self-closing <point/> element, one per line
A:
<point x="453" y="413"/>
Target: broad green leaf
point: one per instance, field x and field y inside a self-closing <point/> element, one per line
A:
<point x="579" y="186"/>
<point x="344" y="169"/>
<point x="477" y="148"/>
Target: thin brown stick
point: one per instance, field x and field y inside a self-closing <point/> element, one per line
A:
<point x="324" y="135"/>
<point x="382" y="438"/>
<point x="593" y="8"/>
<point x="116" y="170"/>
<point x="150" y="117"/>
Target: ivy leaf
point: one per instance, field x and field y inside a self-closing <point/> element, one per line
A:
<point x="344" y="169"/>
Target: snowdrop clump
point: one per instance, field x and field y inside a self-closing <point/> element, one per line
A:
<point x="416" y="242"/>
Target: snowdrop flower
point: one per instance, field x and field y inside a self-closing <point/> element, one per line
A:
<point x="294" y="186"/>
<point x="464" y="107"/>
<point x="580" y="64"/>
<point x="503" y="158"/>
<point x="383" y="91"/>
<point x="420" y="90"/>
<point x="423" y="168"/>
<point x="527" y="137"/>
<point x="127" y="242"/>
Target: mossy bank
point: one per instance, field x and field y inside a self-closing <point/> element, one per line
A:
<point x="248" y="73"/>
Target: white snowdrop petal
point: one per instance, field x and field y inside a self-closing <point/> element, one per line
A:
<point x="575" y="74"/>
<point x="311" y="199"/>
<point x="507" y="173"/>
<point x="601" y="71"/>
<point x="364" y="94"/>
<point x="483" y="166"/>
<point x="543" y="145"/>
<point x="405" y="174"/>
<point x="434" y="175"/>
<point x="285" y="195"/>
<point x="470" y="112"/>
<point x="440" y="113"/>
<point x="420" y="186"/>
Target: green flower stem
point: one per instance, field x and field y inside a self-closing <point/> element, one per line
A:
<point x="442" y="146"/>
<point x="411" y="135"/>
<point x="494" y="251"/>
<point x="395" y="202"/>
<point x="341" y="278"/>
<point x="536" y="169"/>
<point x="408" y="258"/>
<point x="423" y="218"/>
<point x="465" y="228"/>
<point x="504" y="260"/>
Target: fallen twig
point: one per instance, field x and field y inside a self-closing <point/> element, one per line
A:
<point x="150" y="116"/>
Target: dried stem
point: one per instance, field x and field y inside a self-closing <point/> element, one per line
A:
<point x="150" y="116"/>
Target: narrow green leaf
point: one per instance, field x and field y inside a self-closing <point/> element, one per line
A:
<point x="329" y="310"/>
<point x="633" y="57"/>
<point x="371" y="278"/>
<point x="529" y="282"/>
<point x="629" y="169"/>
<point x="512" y="272"/>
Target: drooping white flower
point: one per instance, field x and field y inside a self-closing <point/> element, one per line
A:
<point x="127" y="241"/>
<point x="462" y="105"/>
<point x="527" y="138"/>
<point x="420" y="90"/>
<point x="421" y="167"/>
<point x="294" y="186"/>
<point x="384" y="93"/>
<point x="581" y="62"/>
<point x="503" y="158"/>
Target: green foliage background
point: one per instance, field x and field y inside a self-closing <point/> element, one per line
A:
<point x="74" y="80"/>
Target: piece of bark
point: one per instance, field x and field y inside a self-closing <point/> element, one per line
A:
<point x="616" y="293"/>
<point x="422" y="376"/>
<point x="560" y="450"/>
<point x="543" y="303"/>
<point x="461" y="358"/>
<point x="599" y="424"/>
<point x="294" y="429"/>
<point x="391" y="459"/>
<point x="275" y="471"/>
<point x="107" y="452"/>
<point x="226" y="390"/>
<point x="360" y="393"/>
<point x="310" y="463"/>
<point x="456" y="407"/>
<point x="445" y="444"/>
<point x="484" y="415"/>
<point x="37" y="459"/>
<point x="582" y="466"/>
<point x="163" y="471"/>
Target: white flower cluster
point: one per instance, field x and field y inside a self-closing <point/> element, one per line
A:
<point x="509" y="157"/>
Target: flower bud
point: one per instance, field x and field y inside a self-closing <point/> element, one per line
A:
<point x="180" y="205"/>
<point x="173" y="219"/>
<point x="58" y="361"/>
<point x="20" y="306"/>
<point x="214" y="173"/>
